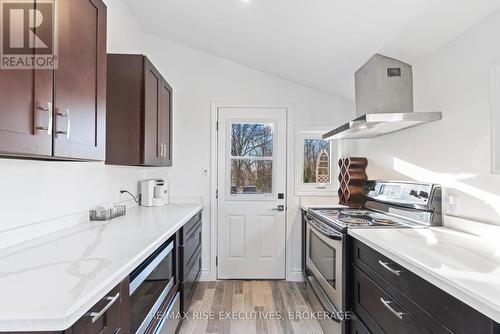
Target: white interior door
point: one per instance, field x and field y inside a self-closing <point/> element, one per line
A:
<point x="251" y="193"/>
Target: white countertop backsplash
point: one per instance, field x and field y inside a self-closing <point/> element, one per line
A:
<point x="49" y="282"/>
<point x="464" y="265"/>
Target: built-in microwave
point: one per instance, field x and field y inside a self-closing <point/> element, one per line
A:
<point x="151" y="292"/>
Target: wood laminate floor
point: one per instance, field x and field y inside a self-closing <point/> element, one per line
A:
<point x="256" y="307"/>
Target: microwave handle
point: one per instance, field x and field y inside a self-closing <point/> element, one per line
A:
<point x="151" y="266"/>
<point x="318" y="292"/>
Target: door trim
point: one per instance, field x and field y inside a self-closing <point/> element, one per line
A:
<point x="211" y="273"/>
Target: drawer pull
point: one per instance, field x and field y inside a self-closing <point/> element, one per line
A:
<point x="387" y="304"/>
<point x="386" y="266"/>
<point x="96" y="315"/>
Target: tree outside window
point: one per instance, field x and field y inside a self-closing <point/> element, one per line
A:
<point x="251" y="158"/>
<point x="316" y="161"/>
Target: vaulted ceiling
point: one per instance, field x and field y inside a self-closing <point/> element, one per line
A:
<point x="319" y="43"/>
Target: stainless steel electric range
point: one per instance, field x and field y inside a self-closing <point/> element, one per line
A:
<point x="389" y="204"/>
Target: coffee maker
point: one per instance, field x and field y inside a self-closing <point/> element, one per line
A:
<point x="160" y="193"/>
<point x="154" y="192"/>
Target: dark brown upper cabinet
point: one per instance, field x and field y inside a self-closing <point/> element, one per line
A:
<point x="80" y="81"/>
<point x="60" y="113"/>
<point x="26" y="113"/>
<point x="139" y="113"/>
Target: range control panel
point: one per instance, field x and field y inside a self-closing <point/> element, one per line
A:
<point x="405" y="193"/>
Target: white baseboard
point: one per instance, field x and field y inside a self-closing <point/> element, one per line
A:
<point x="295" y="276"/>
<point x="207" y="276"/>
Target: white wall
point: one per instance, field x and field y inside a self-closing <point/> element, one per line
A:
<point x="48" y="190"/>
<point x="33" y="192"/>
<point x="199" y="78"/>
<point x="456" y="150"/>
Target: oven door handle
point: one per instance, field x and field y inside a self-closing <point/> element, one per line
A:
<point x="330" y="234"/>
<point x="323" y="300"/>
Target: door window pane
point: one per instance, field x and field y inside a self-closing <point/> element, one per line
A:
<point x="252" y="140"/>
<point x="251" y="176"/>
<point x="316" y="161"/>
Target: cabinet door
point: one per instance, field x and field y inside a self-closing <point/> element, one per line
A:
<point x="166" y="123"/>
<point x="80" y="80"/>
<point x="109" y="316"/>
<point x="381" y="312"/>
<point x="152" y="116"/>
<point x="25" y="112"/>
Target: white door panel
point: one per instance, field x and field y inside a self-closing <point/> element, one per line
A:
<point x="251" y="174"/>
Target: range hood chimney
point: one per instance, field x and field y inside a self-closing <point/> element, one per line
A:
<point x="384" y="101"/>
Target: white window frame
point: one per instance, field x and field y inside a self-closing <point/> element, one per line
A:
<point x="314" y="189"/>
<point x="250" y="197"/>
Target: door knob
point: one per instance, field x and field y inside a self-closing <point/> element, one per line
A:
<point x="279" y="208"/>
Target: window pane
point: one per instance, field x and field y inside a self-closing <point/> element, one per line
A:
<point x="250" y="176"/>
<point x="316" y="161"/>
<point x="252" y="140"/>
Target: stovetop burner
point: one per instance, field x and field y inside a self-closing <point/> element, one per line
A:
<point x="355" y="212"/>
<point x="354" y="220"/>
<point x="384" y="222"/>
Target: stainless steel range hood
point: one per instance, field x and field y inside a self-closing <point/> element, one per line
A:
<point x="374" y="125"/>
<point x="384" y="101"/>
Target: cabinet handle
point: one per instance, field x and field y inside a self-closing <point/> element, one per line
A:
<point x="68" y="124"/>
<point x="47" y="128"/>
<point x="161" y="150"/>
<point x="385" y="265"/>
<point x="387" y="304"/>
<point x="96" y="315"/>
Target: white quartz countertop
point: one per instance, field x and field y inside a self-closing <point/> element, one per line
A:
<point x="464" y="265"/>
<point x="319" y="202"/>
<point x="48" y="283"/>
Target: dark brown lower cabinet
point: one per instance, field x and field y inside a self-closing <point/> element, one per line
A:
<point x="381" y="311"/>
<point x="385" y="297"/>
<point x="357" y="326"/>
<point x="108" y="316"/>
<point x="190" y="258"/>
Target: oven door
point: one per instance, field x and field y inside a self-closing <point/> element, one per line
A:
<point x="324" y="257"/>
